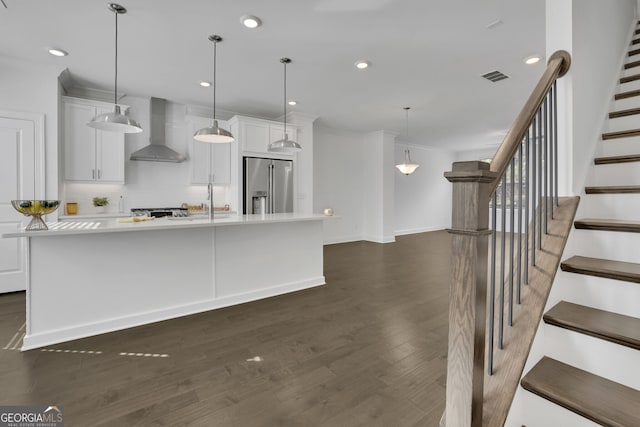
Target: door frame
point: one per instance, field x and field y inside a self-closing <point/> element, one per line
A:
<point x="38" y="120"/>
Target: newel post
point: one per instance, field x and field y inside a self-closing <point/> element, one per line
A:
<point x="467" y="302"/>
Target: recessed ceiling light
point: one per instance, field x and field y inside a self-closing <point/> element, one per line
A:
<point x="58" y="52"/>
<point x="361" y="65"/>
<point x="292" y="102"/>
<point x="250" y="21"/>
<point x="205" y="84"/>
<point x="531" y="60"/>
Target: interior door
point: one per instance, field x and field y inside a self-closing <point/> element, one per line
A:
<point x="17" y="175"/>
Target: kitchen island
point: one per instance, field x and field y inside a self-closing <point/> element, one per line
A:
<point x="86" y="278"/>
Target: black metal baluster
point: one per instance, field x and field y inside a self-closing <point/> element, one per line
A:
<point x="512" y="219"/>
<point x="534" y="194"/>
<point x="492" y="289"/>
<point x="539" y="161"/>
<point x="503" y="221"/>
<point x="551" y="152"/>
<point x="545" y="175"/>
<point x="526" y="210"/>
<point x="519" y="270"/>
<point x="555" y="138"/>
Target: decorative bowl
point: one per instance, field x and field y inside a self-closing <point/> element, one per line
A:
<point x="35" y="209"/>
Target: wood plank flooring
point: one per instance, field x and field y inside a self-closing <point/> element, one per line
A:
<point x="367" y="349"/>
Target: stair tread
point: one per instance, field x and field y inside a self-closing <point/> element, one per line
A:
<point x="617" y="159"/>
<point x="627" y="94"/>
<point x="612" y="189"/>
<point x="607" y="224"/>
<point x="613" y="327"/>
<point x="610" y="269"/>
<point x="631" y="64"/>
<point x="630" y="78"/>
<point x="621" y="134"/>
<point x="624" y="113"/>
<point x="634" y="52"/>
<point x="598" y="399"/>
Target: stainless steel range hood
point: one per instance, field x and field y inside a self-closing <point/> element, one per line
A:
<point x="157" y="151"/>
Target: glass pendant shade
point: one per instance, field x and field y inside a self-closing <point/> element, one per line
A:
<point x="285" y="145"/>
<point x="214" y="134"/>
<point x="115" y="121"/>
<point x="407" y="167"/>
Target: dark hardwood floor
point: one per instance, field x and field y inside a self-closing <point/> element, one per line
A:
<point x="367" y="349"/>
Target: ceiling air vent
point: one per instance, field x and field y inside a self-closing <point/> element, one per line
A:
<point x="495" y="76"/>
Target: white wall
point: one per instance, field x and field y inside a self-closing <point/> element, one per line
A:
<point x="378" y="168"/>
<point x="26" y="88"/>
<point x="423" y="199"/>
<point x="338" y="182"/>
<point x="150" y="184"/>
<point x="595" y="33"/>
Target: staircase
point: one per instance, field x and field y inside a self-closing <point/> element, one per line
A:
<point x="588" y="349"/>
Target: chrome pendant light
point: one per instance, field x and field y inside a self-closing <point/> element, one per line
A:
<point x="115" y="121"/>
<point x="214" y="134"/>
<point x="285" y="145"/>
<point x="408" y="167"/>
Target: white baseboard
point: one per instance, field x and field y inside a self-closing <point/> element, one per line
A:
<point x="421" y="230"/>
<point x="344" y="239"/>
<point x="90" y="329"/>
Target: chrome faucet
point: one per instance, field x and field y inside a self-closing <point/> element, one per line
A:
<point x="210" y="199"/>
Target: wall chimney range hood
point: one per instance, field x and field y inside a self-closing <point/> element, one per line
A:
<point x="157" y="151"/>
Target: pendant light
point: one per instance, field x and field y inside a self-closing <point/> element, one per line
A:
<point x="407" y="167"/>
<point x="214" y="134"/>
<point x="285" y="145"/>
<point x="115" y="121"/>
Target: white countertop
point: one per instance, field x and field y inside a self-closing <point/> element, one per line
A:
<point x="113" y="226"/>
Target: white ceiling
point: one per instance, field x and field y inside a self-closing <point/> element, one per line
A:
<point x="425" y="54"/>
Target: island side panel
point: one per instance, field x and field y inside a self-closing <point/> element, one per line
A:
<point x="83" y="285"/>
<point x="261" y="260"/>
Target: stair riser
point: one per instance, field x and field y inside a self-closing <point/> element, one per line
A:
<point x="587" y="353"/>
<point x="539" y="412"/>
<point x="602" y="244"/>
<point x="616" y="174"/>
<point x="622" y="123"/>
<point x="624" y="87"/>
<point x="616" y="206"/>
<point x="627" y="72"/>
<point x="625" y="104"/>
<point x="586" y="290"/>
<point x="620" y="146"/>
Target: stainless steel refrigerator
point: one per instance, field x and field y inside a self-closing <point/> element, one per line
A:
<point x="268" y="185"/>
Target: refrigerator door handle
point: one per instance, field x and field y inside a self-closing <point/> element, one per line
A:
<point x="270" y="198"/>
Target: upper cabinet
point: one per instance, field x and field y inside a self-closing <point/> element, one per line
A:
<point x="210" y="163"/>
<point x="255" y="135"/>
<point x="90" y="155"/>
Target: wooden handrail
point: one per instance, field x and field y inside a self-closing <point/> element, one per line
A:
<point x="557" y="66"/>
<point x="473" y="184"/>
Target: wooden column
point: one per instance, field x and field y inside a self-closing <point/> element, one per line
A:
<point x="472" y="187"/>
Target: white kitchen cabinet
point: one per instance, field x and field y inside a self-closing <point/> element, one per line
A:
<point x="90" y="155"/>
<point x="209" y="162"/>
<point x="255" y="135"/>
